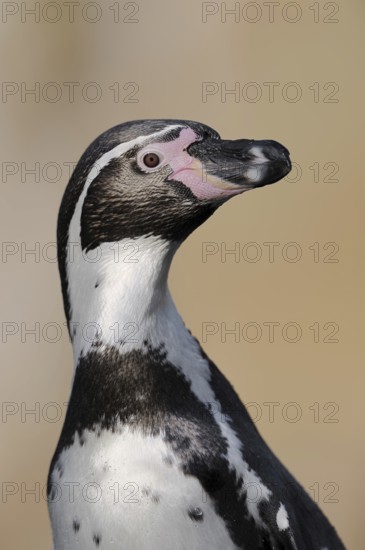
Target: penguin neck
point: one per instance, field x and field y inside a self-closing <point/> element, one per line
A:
<point x="119" y="296"/>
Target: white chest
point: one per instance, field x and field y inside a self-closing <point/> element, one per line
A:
<point x="127" y="491"/>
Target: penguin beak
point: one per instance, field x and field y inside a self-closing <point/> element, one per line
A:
<point x="240" y="165"/>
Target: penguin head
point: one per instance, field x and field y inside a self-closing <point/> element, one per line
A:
<point x="162" y="177"/>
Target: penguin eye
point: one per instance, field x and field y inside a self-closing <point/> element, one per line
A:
<point x="151" y="160"/>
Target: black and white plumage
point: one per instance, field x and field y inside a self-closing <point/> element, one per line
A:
<point x="157" y="451"/>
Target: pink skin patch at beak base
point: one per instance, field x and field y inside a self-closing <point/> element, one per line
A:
<point x="202" y="185"/>
<point x="190" y="171"/>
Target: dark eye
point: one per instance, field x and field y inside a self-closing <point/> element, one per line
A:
<point x="151" y="160"/>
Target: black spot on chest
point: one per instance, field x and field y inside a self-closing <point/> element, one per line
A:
<point x="97" y="540"/>
<point x="76" y="526"/>
<point x="196" y="514"/>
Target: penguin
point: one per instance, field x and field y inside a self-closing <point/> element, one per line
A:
<point x="157" y="451"/>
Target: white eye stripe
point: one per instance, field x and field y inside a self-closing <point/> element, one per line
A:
<point x="119" y="151"/>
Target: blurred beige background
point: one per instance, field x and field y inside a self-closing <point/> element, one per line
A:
<point x="159" y="58"/>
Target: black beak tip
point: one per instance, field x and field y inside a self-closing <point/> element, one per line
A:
<point x="276" y="151"/>
<point x="279" y="164"/>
